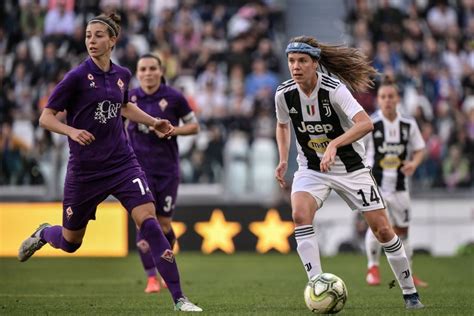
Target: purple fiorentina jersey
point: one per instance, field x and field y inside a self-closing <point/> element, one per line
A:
<point x="93" y="101"/>
<point x="157" y="156"/>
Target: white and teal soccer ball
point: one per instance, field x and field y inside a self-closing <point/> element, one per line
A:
<point x="325" y="293"/>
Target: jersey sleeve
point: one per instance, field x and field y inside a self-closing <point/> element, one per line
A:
<point x="416" y="140"/>
<point x="127" y="83"/>
<point x="346" y="101"/>
<point x="183" y="107"/>
<point x="282" y="114"/>
<point x="63" y="94"/>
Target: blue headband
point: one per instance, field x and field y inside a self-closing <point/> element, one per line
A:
<point x="303" y="48"/>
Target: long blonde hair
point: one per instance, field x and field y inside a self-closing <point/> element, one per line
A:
<point x="347" y="63"/>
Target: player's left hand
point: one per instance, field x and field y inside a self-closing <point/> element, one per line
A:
<point x="329" y="158"/>
<point x="408" y="168"/>
<point x="163" y="128"/>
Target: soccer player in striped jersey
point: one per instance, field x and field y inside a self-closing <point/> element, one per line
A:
<point x="329" y="124"/>
<point x="159" y="156"/>
<point x="395" y="148"/>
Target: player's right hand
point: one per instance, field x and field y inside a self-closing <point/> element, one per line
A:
<point x="280" y="172"/>
<point x="164" y="128"/>
<point x="81" y="136"/>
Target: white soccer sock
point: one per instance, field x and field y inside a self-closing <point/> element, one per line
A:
<point x="308" y="249"/>
<point x="398" y="261"/>
<point x="408" y="249"/>
<point x="372" y="249"/>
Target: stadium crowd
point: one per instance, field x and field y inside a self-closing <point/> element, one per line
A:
<point x="226" y="59"/>
<point x="428" y="47"/>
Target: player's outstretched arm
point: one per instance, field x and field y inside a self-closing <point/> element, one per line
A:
<point x="49" y="121"/>
<point x="362" y="125"/>
<point x="190" y="125"/>
<point x="132" y="112"/>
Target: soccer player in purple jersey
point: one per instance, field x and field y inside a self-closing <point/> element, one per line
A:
<point x="101" y="162"/>
<point x="158" y="155"/>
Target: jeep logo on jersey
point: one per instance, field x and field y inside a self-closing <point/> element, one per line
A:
<point x="311" y="109"/>
<point x="319" y="145"/>
<point x="315" y="128"/>
<point x="396" y="149"/>
<point x="106" y="110"/>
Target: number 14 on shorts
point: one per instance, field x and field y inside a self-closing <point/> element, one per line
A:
<point x="373" y="196"/>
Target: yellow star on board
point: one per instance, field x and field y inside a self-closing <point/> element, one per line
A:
<point x="272" y="232"/>
<point x="179" y="229"/>
<point x="217" y="233"/>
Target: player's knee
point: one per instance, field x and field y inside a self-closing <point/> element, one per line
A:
<point x="142" y="213"/>
<point x="402" y="232"/>
<point x="301" y="218"/>
<point x="69" y="246"/>
<point x="384" y="233"/>
<point x="165" y="224"/>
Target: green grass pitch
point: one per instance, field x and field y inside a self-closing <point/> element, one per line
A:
<point x="240" y="284"/>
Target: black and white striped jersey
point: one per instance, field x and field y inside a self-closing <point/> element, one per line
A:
<point x="389" y="144"/>
<point x="318" y="119"/>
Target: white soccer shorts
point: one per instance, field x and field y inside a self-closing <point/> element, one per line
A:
<point x="398" y="206"/>
<point x="358" y="189"/>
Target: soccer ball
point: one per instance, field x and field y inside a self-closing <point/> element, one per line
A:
<point x="325" y="293"/>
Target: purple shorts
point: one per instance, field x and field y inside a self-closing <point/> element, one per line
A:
<point x="165" y="191"/>
<point x="82" y="198"/>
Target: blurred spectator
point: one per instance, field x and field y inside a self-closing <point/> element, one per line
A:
<point x="59" y="23"/>
<point x="22" y="92"/>
<point x="130" y="58"/>
<point x="238" y="55"/>
<point x="427" y="173"/>
<point x="213" y="40"/>
<point x="32" y="19"/>
<point x="51" y="65"/>
<point x="441" y="17"/>
<point x="266" y="53"/>
<point x="260" y="79"/>
<point x="456" y="169"/>
<point x="385" y="58"/>
<point x="6" y="96"/>
<point x="211" y="103"/>
<point x="387" y="22"/>
<point x="214" y="74"/>
<point x="13" y="154"/>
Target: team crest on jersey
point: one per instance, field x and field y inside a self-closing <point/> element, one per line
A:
<point x="168" y="255"/>
<point x="120" y="84"/>
<point x="133" y="98"/>
<point x="327" y="107"/>
<point x="69" y="213"/>
<point x="311" y="109"/>
<point x="163" y="104"/>
<point x="404" y="134"/>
